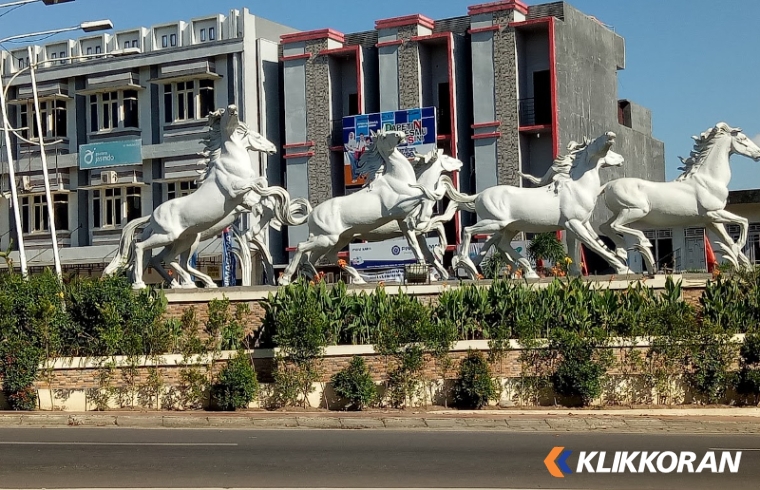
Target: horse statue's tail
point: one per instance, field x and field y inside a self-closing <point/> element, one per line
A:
<point x="463" y="200"/>
<point x="539" y="181"/>
<point x="290" y="212"/>
<point x="124" y="254"/>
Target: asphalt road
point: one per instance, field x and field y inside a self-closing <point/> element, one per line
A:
<point x="87" y="458"/>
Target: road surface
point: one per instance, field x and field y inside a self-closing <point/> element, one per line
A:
<point x="89" y="458"/>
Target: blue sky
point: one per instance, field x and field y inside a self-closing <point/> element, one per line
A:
<point x="693" y="62"/>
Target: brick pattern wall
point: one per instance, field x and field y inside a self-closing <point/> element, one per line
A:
<point x="318" y="124"/>
<point x="507" y="110"/>
<point x="409" y="69"/>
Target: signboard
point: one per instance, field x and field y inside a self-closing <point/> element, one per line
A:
<point x="418" y="124"/>
<point x="521" y="246"/>
<point x="388" y="253"/>
<point x="228" y="260"/>
<point x="110" y="154"/>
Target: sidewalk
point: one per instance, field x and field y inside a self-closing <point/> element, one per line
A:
<point x="720" y="421"/>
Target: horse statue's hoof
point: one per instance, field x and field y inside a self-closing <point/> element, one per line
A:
<point x="139" y="285"/>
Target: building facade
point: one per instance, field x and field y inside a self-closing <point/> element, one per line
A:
<point x="123" y="115"/>
<point x="511" y="86"/>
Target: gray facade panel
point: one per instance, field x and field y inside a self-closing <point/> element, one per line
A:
<point x="295" y="101"/>
<point x="483" y="77"/>
<point x="389" y="78"/>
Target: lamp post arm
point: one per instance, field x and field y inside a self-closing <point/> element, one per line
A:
<point x="40" y="33"/>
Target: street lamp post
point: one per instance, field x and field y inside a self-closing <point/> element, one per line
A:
<point x="12" y="175"/>
<point x="43" y="156"/>
<point x="86" y="27"/>
<point x="19" y="3"/>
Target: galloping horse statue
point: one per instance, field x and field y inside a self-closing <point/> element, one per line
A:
<point x="389" y="197"/>
<point x="428" y="169"/>
<point x="178" y="224"/>
<point x="696" y="197"/>
<point x="565" y="203"/>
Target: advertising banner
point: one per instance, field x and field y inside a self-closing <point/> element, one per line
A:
<point x="110" y="154"/>
<point x="418" y="124"/>
<point x="228" y="260"/>
<point x="388" y="253"/>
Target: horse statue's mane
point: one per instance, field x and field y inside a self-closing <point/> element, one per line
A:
<point x="371" y="163"/>
<point x="702" y="146"/>
<point x="562" y="165"/>
<point x="422" y="162"/>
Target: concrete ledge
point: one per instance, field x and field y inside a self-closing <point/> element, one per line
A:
<point x="715" y="423"/>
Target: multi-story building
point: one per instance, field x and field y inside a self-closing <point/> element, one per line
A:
<point x="140" y="98"/>
<point x="511" y="84"/>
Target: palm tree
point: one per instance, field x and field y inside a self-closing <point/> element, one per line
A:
<point x="546" y="246"/>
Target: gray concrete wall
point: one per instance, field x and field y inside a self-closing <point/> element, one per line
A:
<point x="588" y="56"/>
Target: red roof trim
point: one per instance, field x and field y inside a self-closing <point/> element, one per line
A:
<point x="478" y="30"/>
<point x="294" y="57"/>
<point x="487" y="8"/>
<point x="407" y="20"/>
<point x="320" y="34"/>
<point x="384" y="44"/>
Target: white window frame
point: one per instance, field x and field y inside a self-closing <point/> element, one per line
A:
<point x="102" y="107"/>
<point x="48" y="110"/>
<point x="117" y="200"/>
<point x="180" y="188"/>
<point x="189" y="96"/>
<point x="34" y="208"/>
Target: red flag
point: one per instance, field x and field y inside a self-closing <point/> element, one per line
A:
<point x="712" y="262"/>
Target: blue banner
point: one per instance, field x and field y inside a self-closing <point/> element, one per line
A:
<point x="110" y="154"/>
<point x="193" y="264"/>
<point x="228" y="260"/>
<point x="418" y="124"/>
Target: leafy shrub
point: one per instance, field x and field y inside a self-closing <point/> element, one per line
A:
<point x="109" y="318"/>
<point x="581" y="364"/>
<point x="748" y="382"/>
<point x="474" y="386"/>
<point x="711" y="359"/>
<point x="236" y="386"/>
<point x="301" y="332"/>
<point x="354" y="384"/>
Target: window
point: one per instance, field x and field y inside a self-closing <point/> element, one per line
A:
<point x="126" y="44"/>
<point x="353" y="104"/>
<point x="211" y="33"/>
<point x="34" y="213"/>
<point x="189" y="100"/>
<point x="89" y="50"/>
<point x="111" y="110"/>
<point x="63" y="55"/>
<point x="53" y="115"/>
<point x="180" y="189"/>
<point x="53" y="56"/>
<point x="173" y="39"/>
<point x="206" y="98"/>
<point x="115" y="206"/>
<point x="97" y="50"/>
<point x="21" y="63"/>
<point x="61" y="208"/>
<point x="134" y="43"/>
<point x="164" y="41"/>
<point x="203" y="35"/>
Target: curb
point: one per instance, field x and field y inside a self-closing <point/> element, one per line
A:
<point x="651" y="424"/>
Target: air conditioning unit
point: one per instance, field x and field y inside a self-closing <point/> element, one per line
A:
<point x="109" y="177"/>
<point x="26" y="182"/>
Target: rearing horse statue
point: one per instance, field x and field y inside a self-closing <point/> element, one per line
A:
<point x="178" y="224"/>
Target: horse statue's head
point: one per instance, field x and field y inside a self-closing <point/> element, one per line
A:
<point x="741" y="144"/>
<point x="435" y="158"/>
<point x="385" y="142"/>
<point x="235" y="131"/>
<point x="596" y="153"/>
<point x="705" y="142"/>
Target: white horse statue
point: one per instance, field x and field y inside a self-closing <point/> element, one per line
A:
<point x="566" y="203"/>
<point x="273" y="208"/>
<point x="390" y="197"/>
<point x="428" y="169"/>
<point x="697" y="197"/>
<point x="178" y="224"/>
